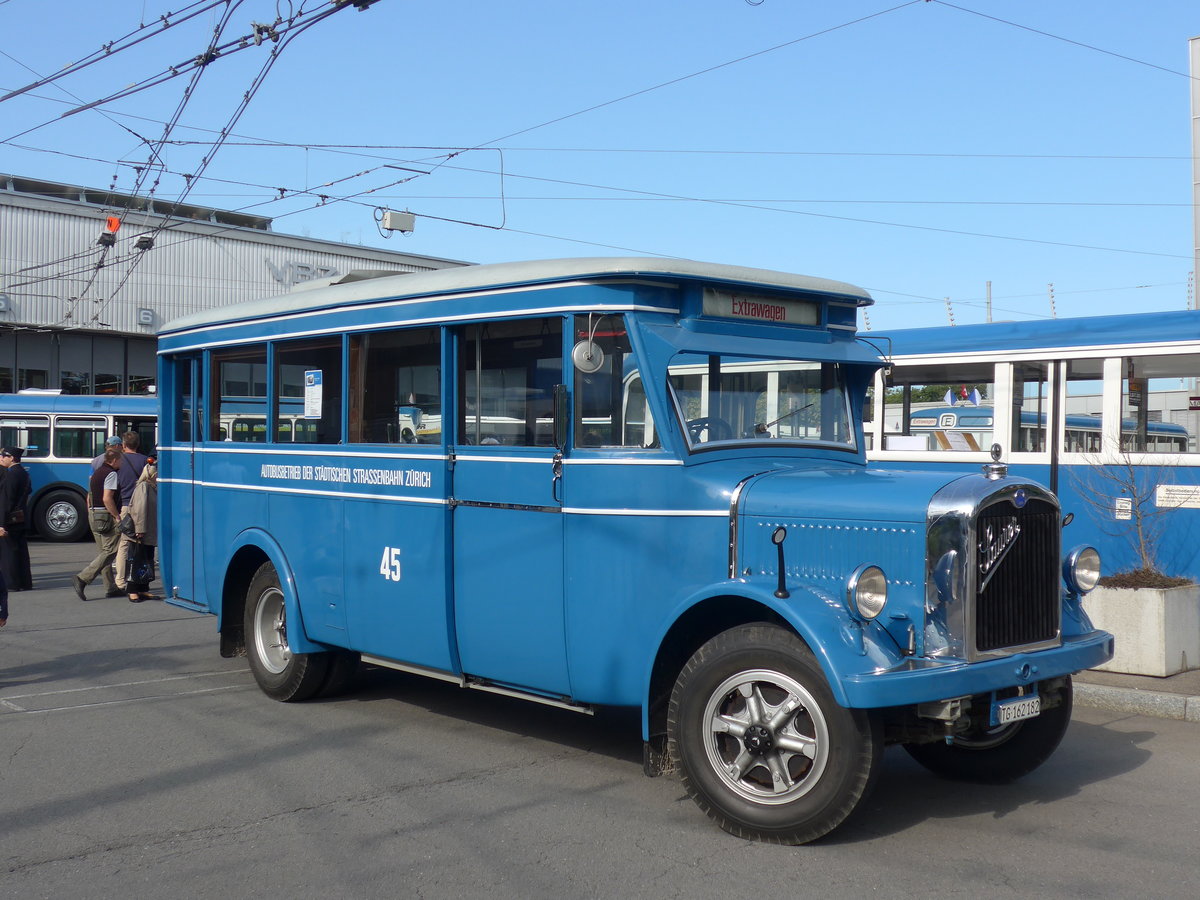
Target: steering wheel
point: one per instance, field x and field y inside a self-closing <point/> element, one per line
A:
<point x="717" y="429"/>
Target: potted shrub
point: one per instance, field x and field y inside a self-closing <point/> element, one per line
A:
<point x="1154" y="617"/>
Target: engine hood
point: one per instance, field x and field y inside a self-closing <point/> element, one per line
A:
<point x="875" y="495"/>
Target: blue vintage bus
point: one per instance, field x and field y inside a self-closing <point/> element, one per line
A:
<point x="626" y="482"/>
<point x="1105" y="410"/>
<point x="61" y="435"/>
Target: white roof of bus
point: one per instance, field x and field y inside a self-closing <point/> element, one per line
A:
<point x="459" y="279"/>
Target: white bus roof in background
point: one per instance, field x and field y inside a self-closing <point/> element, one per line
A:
<point x="462" y="279"/>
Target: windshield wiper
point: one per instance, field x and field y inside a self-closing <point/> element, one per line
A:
<point x="761" y="428"/>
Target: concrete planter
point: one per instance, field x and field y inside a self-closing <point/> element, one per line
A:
<point x="1157" y="630"/>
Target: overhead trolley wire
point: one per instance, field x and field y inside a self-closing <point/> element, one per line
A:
<point x="1065" y="40"/>
<point x="112" y="48"/>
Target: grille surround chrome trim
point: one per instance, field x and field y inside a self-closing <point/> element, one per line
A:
<point x="952" y="573"/>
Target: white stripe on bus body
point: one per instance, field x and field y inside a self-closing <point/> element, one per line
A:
<point x="406" y="498"/>
<point x="404" y="457"/>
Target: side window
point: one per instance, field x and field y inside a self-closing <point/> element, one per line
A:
<point x="182" y="401"/>
<point x="940" y="407"/>
<point x="610" y="402"/>
<point x="308" y="391"/>
<point x="144" y="427"/>
<point x="1156" y="404"/>
<point x="396" y="387"/>
<point x="1031" y="407"/>
<point x="30" y="432"/>
<point x="239" y="405"/>
<point x="79" y="438"/>
<point x="1084" y="406"/>
<point x="508" y="374"/>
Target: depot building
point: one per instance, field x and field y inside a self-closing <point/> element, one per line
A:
<point x="88" y="276"/>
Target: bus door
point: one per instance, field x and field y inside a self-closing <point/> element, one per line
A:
<point x="508" y="527"/>
<point x="395" y="546"/>
<point x="177" y="507"/>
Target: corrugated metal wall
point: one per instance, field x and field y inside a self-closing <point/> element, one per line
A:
<point x="49" y="258"/>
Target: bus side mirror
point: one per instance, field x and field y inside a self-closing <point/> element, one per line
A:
<point x="562" y="413"/>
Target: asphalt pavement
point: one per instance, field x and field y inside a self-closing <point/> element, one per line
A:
<point x="1173" y="697"/>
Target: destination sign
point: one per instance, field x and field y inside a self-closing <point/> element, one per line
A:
<point x="752" y="308"/>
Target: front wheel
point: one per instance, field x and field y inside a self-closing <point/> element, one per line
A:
<point x="998" y="755"/>
<point x="762" y="746"/>
<point x="281" y="674"/>
<point x="60" y="516"/>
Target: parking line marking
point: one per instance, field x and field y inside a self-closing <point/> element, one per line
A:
<point x="104" y="687"/>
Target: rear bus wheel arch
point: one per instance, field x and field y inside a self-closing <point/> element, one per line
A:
<point x="281" y="673"/>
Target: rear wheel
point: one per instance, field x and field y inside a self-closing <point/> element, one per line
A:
<point x="762" y="745"/>
<point x="997" y="755"/>
<point x="60" y="517"/>
<point x="343" y="666"/>
<point x="280" y="673"/>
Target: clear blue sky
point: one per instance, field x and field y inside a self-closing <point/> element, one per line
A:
<point x="920" y="152"/>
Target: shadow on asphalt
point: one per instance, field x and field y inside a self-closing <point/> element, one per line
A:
<point x="906" y="794"/>
<point x="615" y="732"/>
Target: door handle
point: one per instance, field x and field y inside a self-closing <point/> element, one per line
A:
<point x="556" y="467"/>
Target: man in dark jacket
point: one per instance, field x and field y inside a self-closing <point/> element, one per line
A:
<point x="14" y="498"/>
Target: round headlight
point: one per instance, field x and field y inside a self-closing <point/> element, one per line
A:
<point x="866" y="592"/>
<point x="1081" y="569"/>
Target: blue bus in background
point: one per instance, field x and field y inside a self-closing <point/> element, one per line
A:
<point x="1104" y="410"/>
<point x="946" y="425"/>
<point x="618" y="482"/>
<point x="61" y="435"/>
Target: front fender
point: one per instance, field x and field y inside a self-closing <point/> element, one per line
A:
<point x="298" y="639"/>
<point x="843" y="646"/>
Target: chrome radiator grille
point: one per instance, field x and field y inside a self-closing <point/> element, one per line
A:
<point x="1017" y="593"/>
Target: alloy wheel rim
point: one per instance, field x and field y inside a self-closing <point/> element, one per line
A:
<point x="765" y="736"/>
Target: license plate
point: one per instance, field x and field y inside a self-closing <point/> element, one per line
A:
<point x="1005" y="712"/>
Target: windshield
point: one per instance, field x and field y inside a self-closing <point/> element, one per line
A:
<point x="734" y="400"/>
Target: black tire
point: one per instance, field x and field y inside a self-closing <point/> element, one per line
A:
<point x="60" y="516"/>
<point x="281" y="674"/>
<point x="805" y="762"/>
<point x="343" y="666"/>
<point x="999" y="755"/>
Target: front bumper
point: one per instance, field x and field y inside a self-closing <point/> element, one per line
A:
<point x="921" y="680"/>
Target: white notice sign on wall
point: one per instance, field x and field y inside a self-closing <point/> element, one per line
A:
<point x="1177" y="496"/>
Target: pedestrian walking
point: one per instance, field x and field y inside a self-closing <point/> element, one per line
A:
<point x="103" y="515"/>
<point x="132" y="465"/>
<point x="14" y="500"/>
<point x="139" y="549"/>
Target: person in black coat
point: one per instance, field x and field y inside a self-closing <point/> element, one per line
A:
<point x="14" y="497"/>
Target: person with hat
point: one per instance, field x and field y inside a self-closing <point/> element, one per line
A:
<point x="14" y="498"/>
<point x="113" y="443"/>
<point x="103" y="513"/>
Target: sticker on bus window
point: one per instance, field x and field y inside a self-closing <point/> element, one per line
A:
<point x="312" y="394"/>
